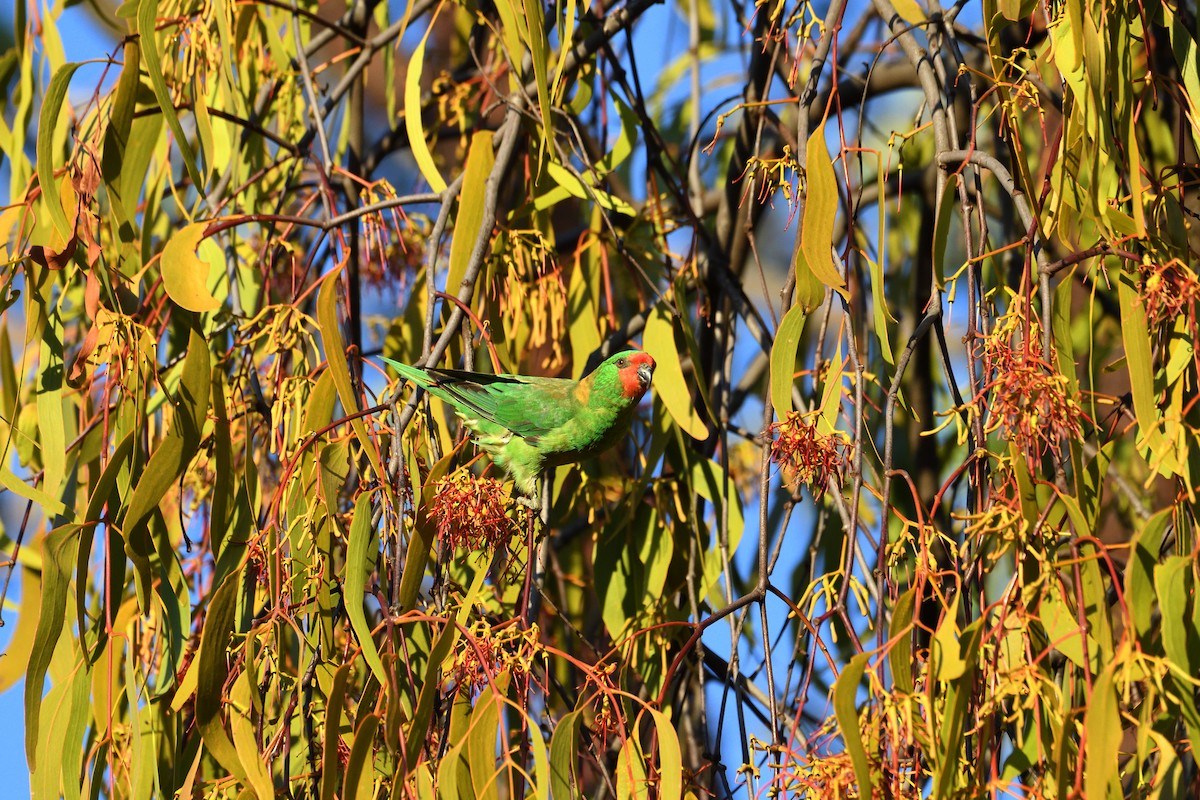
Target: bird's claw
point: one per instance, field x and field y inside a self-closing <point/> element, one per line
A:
<point x="530" y="502"/>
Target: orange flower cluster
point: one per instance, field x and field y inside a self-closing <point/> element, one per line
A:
<point x="1029" y="399"/>
<point x="470" y="513"/>
<point x="1169" y="291"/>
<point x="806" y="455"/>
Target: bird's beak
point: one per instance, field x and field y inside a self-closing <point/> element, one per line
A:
<point x="645" y="372"/>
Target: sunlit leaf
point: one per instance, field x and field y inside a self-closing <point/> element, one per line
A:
<point x="147" y="18"/>
<point x="783" y="359"/>
<point x="185" y="273"/>
<point x="412" y="116"/>
<point x="669" y="382"/>
<point x="820" y="211"/>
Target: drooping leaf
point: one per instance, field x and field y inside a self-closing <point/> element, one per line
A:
<point x="412" y="116"/>
<point x="480" y="161"/>
<point x="56" y="95"/>
<point x="783" y="359"/>
<point x="820" y="212"/>
<point x="564" y="747"/>
<point x="669" y="381"/>
<point x="845" y="707"/>
<point x="147" y="18"/>
<point x="1102" y="723"/>
<point x="360" y="563"/>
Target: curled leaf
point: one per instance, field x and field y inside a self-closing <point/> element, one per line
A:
<point x="185" y="274"/>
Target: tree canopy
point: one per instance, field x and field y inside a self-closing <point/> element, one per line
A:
<point x="911" y="507"/>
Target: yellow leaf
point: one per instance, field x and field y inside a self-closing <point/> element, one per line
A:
<point x="820" y="211"/>
<point x="480" y="159"/>
<point x="909" y="11"/>
<point x="412" y="115"/>
<point x="669" y="383"/>
<point x="185" y="275"/>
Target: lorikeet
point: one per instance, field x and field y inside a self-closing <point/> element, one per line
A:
<point x="528" y="424"/>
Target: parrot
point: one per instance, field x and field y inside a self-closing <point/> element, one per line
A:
<point x="527" y="424"/>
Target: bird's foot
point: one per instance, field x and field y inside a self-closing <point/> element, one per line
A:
<point x="529" y="502"/>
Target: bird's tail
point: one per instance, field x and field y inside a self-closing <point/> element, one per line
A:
<point x="410" y="374"/>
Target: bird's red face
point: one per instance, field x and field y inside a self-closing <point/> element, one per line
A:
<point x="635" y="369"/>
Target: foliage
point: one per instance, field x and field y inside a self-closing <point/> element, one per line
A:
<point x="247" y="562"/>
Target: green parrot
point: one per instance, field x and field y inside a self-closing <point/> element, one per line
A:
<point x="529" y="424"/>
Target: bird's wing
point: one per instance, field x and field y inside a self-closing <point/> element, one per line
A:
<point x="528" y="406"/>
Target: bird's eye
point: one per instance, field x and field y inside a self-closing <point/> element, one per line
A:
<point x="621" y="362"/>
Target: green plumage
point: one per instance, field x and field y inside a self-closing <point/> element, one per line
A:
<point x="528" y="424"/>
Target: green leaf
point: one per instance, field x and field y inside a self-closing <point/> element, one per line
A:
<point x="169" y="460"/>
<point x="845" y="708"/>
<point x="565" y="22"/>
<point x="947" y="211"/>
<point x="147" y="20"/>
<point x="359" y="783"/>
<point x="56" y="95"/>
<point x="810" y="291"/>
<point x="59" y="553"/>
<point x="102" y="492"/>
<point x="783" y="359"/>
<point x="900" y="652"/>
<point x="880" y="315"/>
<point x="954" y="721"/>
<point x="1175" y="582"/>
<point x="423" y="534"/>
<point x="454" y="772"/>
<point x="190" y="406"/>
<point x="481" y="744"/>
<point x="623" y="147"/>
<point x="214" y="669"/>
<point x="334" y="703"/>
<point x="541" y="762"/>
<point x="539" y="45"/>
<point x="845" y="705"/>
<point x="51" y="423"/>
<point x="360" y="563"/>
<point x="242" y="725"/>
<point x="670" y="758"/>
<point x="1102" y="724"/>
<point x="712" y="483"/>
<point x="431" y="688"/>
<point x="1135" y="335"/>
<point x="73" y="729"/>
<point x="583" y="329"/>
<point x="335" y="355"/>
<point x="564" y="746"/>
<point x="946" y="656"/>
<point x="512" y="31"/>
<point x="570" y="185"/>
<point x="631" y="772"/>
<point x="224" y="490"/>
<point x="1141" y="596"/>
<point x="35" y="495"/>
<point x="1059" y="619"/>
